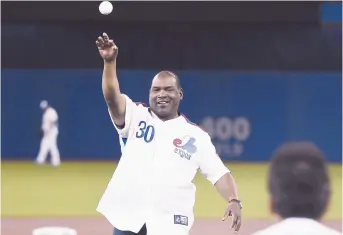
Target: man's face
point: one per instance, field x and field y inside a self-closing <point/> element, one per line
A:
<point x="165" y="97"/>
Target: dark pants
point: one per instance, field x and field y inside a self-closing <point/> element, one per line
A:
<point x="141" y="232"/>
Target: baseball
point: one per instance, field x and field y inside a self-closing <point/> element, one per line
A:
<point x="105" y="7"/>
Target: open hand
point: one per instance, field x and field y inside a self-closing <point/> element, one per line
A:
<point x="234" y="210"/>
<point x="107" y="49"/>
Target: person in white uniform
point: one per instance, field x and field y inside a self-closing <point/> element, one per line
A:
<point x="49" y="129"/>
<point x="151" y="191"/>
<point x="299" y="188"/>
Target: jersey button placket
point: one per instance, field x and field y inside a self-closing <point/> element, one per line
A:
<point x="152" y="170"/>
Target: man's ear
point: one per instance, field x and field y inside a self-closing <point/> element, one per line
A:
<point x="181" y="93"/>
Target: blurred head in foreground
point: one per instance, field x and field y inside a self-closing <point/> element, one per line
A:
<point x="299" y="184"/>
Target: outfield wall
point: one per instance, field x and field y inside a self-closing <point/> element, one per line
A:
<point x="247" y="114"/>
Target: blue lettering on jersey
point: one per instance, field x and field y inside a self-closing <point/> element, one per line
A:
<point x="147" y="132"/>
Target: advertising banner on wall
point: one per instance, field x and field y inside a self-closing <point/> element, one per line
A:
<point x="247" y="115"/>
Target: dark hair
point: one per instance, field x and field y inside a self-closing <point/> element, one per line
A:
<point x="298" y="181"/>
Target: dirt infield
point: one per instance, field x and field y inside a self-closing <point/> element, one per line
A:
<point x="100" y="226"/>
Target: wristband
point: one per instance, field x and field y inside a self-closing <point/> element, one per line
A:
<point x="109" y="59"/>
<point x="237" y="201"/>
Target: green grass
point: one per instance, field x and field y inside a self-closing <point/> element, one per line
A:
<point x="74" y="189"/>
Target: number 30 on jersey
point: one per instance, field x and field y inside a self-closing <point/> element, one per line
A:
<point x="147" y="132"/>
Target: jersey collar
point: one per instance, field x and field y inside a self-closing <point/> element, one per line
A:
<point x="181" y="117"/>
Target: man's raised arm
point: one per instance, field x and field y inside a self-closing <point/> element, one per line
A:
<point x="110" y="87"/>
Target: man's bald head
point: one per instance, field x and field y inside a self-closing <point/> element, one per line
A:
<point x="168" y="74"/>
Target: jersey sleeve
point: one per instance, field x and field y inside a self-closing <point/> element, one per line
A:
<point x="131" y="113"/>
<point x="210" y="164"/>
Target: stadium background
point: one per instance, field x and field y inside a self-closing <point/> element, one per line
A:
<point x="254" y="75"/>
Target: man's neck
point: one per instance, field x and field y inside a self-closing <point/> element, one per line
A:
<point x="169" y="117"/>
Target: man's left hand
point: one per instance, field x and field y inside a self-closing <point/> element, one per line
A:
<point x="234" y="210"/>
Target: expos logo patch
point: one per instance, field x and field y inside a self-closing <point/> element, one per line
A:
<point x="185" y="147"/>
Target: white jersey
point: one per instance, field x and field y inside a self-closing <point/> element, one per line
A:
<point x="298" y="226"/>
<point x="122" y="142"/>
<point x="153" y="180"/>
<point x="50" y="121"/>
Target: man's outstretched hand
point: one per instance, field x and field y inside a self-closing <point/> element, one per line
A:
<point x="107" y="49"/>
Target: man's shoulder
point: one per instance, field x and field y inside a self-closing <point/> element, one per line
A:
<point x="51" y="112"/>
<point x="269" y="230"/>
<point x="195" y="129"/>
<point x="141" y="105"/>
<point x="137" y="104"/>
<point x="193" y="126"/>
<point x="140" y="108"/>
<point x="297" y="226"/>
<point x="329" y="231"/>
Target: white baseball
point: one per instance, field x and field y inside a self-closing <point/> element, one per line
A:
<point x="105" y="7"/>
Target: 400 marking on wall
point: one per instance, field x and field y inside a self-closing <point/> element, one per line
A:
<point x="228" y="134"/>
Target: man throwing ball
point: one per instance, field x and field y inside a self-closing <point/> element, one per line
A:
<point x="151" y="191"/>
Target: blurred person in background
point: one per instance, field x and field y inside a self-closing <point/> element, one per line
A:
<point x="49" y="130"/>
<point x="299" y="188"/>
